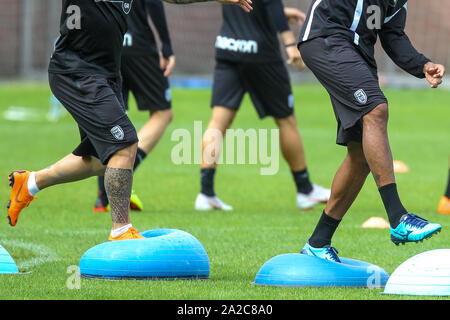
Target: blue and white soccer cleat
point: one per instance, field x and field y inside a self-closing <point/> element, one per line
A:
<point x="327" y="253"/>
<point x="413" y="228"/>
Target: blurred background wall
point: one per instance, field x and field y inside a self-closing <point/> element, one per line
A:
<point x="28" y="29"/>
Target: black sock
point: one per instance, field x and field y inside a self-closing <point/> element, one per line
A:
<point x="394" y="207"/>
<point x="447" y="192"/>
<point x="140" y="156"/>
<point x="102" y="191"/>
<point x="324" y="231"/>
<point x="302" y="181"/>
<point x="207" y="181"/>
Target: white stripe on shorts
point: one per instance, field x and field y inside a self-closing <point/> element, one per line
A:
<point x="311" y="17"/>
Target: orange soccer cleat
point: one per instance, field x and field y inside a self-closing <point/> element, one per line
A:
<point x="131" y="234"/>
<point x="100" y="206"/>
<point x="444" y="205"/>
<point x="20" y="197"/>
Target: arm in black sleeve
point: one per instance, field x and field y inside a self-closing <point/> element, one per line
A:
<point x="398" y="46"/>
<point x="156" y="10"/>
<point x="275" y="11"/>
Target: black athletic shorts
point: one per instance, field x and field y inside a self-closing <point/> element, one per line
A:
<point x="268" y="85"/>
<point x="351" y="82"/>
<point x="96" y="104"/>
<point x="143" y="76"/>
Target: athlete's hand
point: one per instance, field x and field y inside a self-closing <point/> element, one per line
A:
<point x="294" y="57"/>
<point x="434" y="73"/>
<point x="294" y="16"/>
<point x="167" y="64"/>
<point x="246" y="5"/>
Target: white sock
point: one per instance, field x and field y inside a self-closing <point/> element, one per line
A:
<point x="117" y="232"/>
<point x="31" y="184"/>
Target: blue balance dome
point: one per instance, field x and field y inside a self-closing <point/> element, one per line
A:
<point x="7" y="264"/>
<point x="164" y="254"/>
<point x="299" y="270"/>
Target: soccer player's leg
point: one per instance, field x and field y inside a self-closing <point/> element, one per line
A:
<point x="226" y="99"/>
<point x="361" y="111"/>
<point x="405" y="227"/>
<point x="118" y="185"/>
<point x="308" y="194"/>
<point x="270" y="89"/>
<point x="221" y="120"/>
<point x="149" y="136"/>
<point x="107" y="134"/>
<point x="143" y="76"/>
<point x="347" y="184"/>
<point x="444" y="203"/>
<point x="25" y="184"/>
<point x="153" y="94"/>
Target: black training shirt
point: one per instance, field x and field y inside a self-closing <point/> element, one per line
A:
<point x="362" y="22"/>
<point x="139" y="39"/>
<point x="251" y="37"/>
<point x="91" y="37"/>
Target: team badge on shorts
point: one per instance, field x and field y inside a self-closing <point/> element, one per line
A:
<point x="117" y="133"/>
<point x="361" y="96"/>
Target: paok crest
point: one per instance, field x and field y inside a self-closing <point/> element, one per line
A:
<point x="126" y="4"/>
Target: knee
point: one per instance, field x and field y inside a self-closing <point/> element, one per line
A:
<point x="165" y="116"/>
<point x="288" y="122"/>
<point x="168" y="115"/>
<point x="379" y="115"/>
<point x="128" y="152"/>
<point x="221" y="119"/>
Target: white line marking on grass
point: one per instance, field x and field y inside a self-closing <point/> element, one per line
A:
<point x="16" y="113"/>
<point x="43" y="253"/>
<point x="74" y="233"/>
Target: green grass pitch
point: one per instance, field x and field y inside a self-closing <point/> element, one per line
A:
<point x="54" y="232"/>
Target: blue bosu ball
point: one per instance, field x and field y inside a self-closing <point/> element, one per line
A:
<point x="7" y="264"/>
<point x="164" y="254"/>
<point x="299" y="270"/>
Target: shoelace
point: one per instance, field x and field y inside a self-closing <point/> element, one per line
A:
<point x="416" y="221"/>
<point x="332" y="251"/>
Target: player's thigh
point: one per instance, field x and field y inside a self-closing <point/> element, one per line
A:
<point x="228" y="89"/>
<point x="95" y="104"/>
<point x="147" y="82"/>
<point x="351" y="82"/>
<point x="270" y="89"/>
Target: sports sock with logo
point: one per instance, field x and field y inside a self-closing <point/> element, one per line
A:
<point x="447" y="192"/>
<point x="324" y="231"/>
<point x="394" y="207"/>
<point x="302" y="181"/>
<point x="207" y="181"/>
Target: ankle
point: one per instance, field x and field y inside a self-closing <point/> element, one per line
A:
<point x="32" y="186"/>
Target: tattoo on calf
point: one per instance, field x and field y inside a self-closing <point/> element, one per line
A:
<point x="118" y="184"/>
